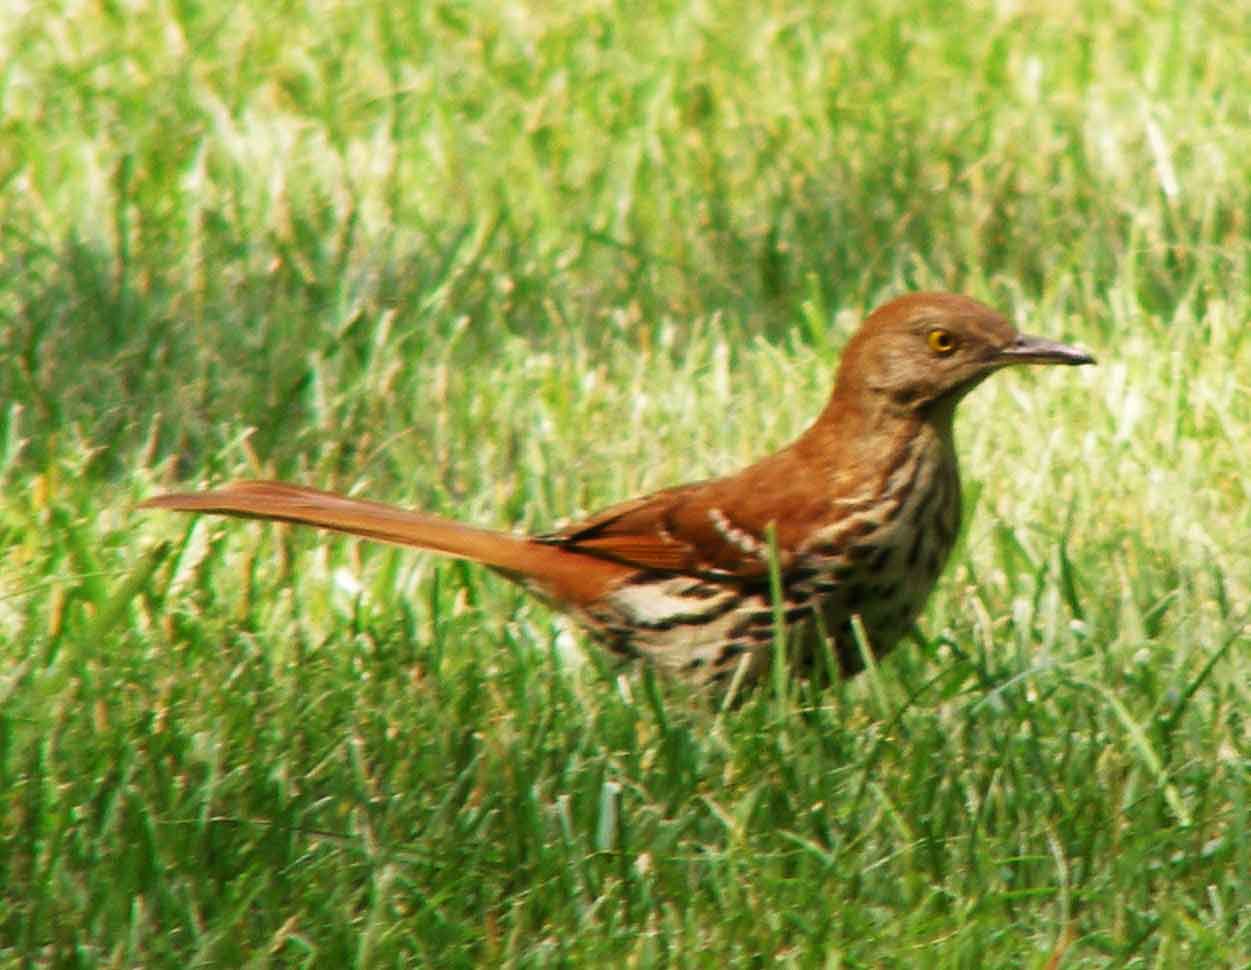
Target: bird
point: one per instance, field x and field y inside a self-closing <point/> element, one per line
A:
<point x="835" y="541"/>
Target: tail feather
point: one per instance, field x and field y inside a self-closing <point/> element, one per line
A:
<point x="566" y="576"/>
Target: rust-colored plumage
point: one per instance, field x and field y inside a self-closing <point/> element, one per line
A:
<point x="864" y="508"/>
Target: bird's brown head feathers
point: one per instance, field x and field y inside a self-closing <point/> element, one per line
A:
<point x="926" y="348"/>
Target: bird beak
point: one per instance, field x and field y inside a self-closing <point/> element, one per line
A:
<point x="1027" y="349"/>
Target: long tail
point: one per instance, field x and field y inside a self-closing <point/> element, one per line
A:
<point x="563" y="575"/>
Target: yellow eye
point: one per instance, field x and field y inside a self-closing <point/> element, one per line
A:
<point x="941" y="341"/>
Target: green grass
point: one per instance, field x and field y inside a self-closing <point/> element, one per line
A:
<point x="512" y="262"/>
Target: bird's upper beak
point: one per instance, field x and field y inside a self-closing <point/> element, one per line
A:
<point x="1027" y="349"/>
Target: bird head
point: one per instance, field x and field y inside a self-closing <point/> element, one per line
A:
<point x="926" y="351"/>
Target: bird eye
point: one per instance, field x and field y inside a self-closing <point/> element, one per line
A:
<point x="941" y="341"/>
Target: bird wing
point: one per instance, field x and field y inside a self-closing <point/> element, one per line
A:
<point x="695" y="529"/>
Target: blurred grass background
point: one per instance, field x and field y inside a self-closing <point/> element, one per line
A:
<point x="510" y="262"/>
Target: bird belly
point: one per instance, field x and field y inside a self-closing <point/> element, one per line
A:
<point x="894" y="569"/>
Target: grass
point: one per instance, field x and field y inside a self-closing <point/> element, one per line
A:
<point x="511" y="262"/>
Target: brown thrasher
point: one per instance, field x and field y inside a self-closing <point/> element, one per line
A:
<point x="860" y="513"/>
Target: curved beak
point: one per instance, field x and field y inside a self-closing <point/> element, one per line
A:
<point x="1027" y="349"/>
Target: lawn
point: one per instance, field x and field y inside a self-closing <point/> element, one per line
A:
<point x="510" y="262"/>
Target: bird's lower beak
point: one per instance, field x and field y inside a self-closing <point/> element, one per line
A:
<point x="1027" y="349"/>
